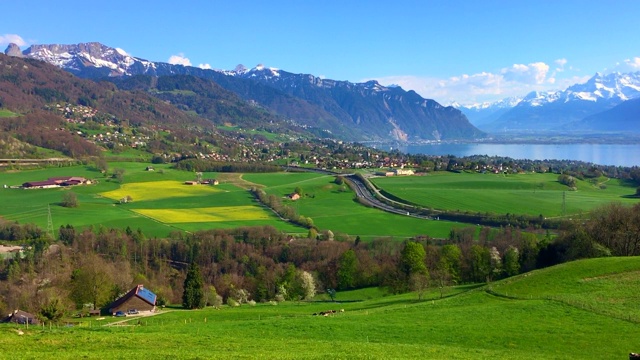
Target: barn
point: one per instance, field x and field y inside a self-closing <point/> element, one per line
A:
<point x="21" y="317"/>
<point x="138" y="298"/>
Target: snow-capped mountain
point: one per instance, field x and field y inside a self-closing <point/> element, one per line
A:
<point x="551" y="110"/>
<point x="104" y="60"/>
<point x="487" y="112"/>
<point x="368" y="110"/>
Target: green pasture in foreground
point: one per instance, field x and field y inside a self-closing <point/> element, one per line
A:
<point x="606" y="286"/>
<point x="532" y="194"/>
<point x="468" y="324"/>
<point x="333" y="207"/>
<point x="161" y="203"/>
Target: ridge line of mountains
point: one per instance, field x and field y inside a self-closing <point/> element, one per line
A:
<point x="354" y="111"/>
<point x="340" y="109"/>
<point x="605" y="103"/>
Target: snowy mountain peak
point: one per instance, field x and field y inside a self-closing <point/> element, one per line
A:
<point x="113" y="61"/>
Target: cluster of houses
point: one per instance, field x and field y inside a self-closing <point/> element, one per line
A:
<point x="138" y="300"/>
<point x="54" y="182"/>
<point x="76" y="113"/>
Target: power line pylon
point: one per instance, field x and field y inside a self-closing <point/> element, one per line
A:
<point x="49" y="222"/>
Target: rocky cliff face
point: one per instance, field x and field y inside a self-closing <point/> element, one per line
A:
<point x="13" y="50"/>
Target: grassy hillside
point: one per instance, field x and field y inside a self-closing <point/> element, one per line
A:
<point x="469" y="324"/>
<point x="531" y="194"/>
<point x="607" y="286"/>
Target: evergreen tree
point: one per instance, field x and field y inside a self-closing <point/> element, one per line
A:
<point x="347" y="270"/>
<point x="193" y="295"/>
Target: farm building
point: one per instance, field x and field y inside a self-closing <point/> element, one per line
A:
<point x="21" y="317"/>
<point x="138" y="298"/>
<point x="294" y="196"/>
<point x="403" y="172"/>
<point x="56" y="182"/>
<point x="191" y="183"/>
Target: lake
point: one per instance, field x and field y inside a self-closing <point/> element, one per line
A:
<point x="603" y="154"/>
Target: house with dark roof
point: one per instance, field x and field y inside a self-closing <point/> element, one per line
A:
<point x="56" y="182"/>
<point x="138" y="298"/>
<point x="21" y="317"/>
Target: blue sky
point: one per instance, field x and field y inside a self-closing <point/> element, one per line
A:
<point x="464" y="51"/>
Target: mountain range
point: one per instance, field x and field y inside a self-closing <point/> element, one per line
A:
<point x="581" y="107"/>
<point x="351" y="111"/>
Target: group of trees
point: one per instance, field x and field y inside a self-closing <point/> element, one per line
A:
<point x="284" y="211"/>
<point x="236" y="266"/>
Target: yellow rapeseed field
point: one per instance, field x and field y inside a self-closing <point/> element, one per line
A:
<point x="207" y="214"/>
<point x="156" y="190"/>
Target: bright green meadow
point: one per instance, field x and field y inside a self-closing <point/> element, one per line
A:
<point x="531" y="193"/>
<point x="161" y="201"/>
<point x="334" y="207"/>
<point x="468" y="323"/>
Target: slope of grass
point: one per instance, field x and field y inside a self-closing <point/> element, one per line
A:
<point x="606" y="286"/>
<point x="470" y="324"/>
<point x="7" y="113"/>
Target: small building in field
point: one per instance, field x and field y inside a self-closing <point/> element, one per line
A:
<point x="21" y="317"/>
<point x="400" y="172"/>
<point x="294" y="196"/>
<point x="57" y="182"/>
<point x="191" y="183"/>
<point x="138" y="298"/>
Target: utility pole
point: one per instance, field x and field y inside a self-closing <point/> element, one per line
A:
<point x="49" y="222"/>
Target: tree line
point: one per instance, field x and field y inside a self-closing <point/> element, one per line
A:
<point x="256" y="264"/>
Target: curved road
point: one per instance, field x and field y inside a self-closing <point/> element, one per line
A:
<point x="363" y="193"/>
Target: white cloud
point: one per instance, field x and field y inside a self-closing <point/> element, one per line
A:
<point x="179" y="59"/>
<point x="7" y="39"/>
<point x="561" y="63"/>
<point x="534" y="73"/>
<point x="515" y="80"/>
<point x="633" y="63"/>
<point x="205" y="66"/>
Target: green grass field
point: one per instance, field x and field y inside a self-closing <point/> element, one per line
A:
<point x="333" y="207"/>
<point x="161" y="202"/>
<point x="470" y="323"/>
<point x="531" y="194"/>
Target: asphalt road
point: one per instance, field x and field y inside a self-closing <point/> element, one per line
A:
<point x="363" y="193"/>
